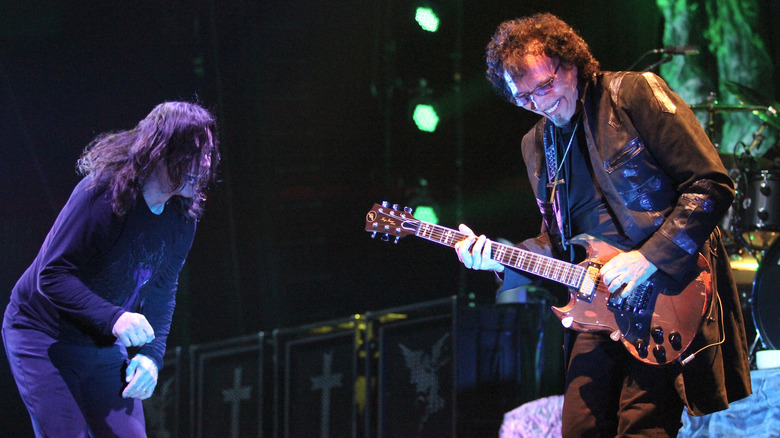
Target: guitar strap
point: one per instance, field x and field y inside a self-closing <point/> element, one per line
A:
<point x="544" y="136"/>
<point x="559" y="196"/>
<point x="550" y="153"/>
<point x="551" y="158"/>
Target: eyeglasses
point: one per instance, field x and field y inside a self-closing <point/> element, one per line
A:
<point x="542" y="89"/>
<point x="192" y="179"/>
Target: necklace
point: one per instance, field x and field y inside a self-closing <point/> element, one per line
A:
<point x="558" y="180"/>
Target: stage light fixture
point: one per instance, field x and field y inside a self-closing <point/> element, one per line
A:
<point x="426" y="213"/>
<point x="423" y="206"/>
<point x="421" y="107"/>
<point x="425" y="117"/>
<point x="427" y="19"/>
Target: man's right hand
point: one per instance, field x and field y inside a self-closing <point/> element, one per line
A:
<point x="133" y="329"/>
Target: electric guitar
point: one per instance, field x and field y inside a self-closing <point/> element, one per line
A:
<point x="656" y="322"/>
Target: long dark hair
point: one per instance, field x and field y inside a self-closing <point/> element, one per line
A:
<point x="537" y="34"/>
<point x="176" y="134"/>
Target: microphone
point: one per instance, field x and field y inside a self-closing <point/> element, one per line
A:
<point x="678" y="50"/>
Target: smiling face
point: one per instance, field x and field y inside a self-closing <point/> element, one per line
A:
<point x="547" y="87"/>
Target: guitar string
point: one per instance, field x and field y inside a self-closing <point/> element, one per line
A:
<point x="555" y="269"/>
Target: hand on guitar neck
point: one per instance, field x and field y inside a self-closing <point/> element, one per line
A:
<point x="625" y="270"/>
<point x="474" y="252"/>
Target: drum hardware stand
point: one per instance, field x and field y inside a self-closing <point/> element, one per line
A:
<point x="746" y="166"/>
<point x="754" y="349"/>
<point x="753" y="219"/>
<point x="711" y="99"/>
<point x="758" y="137"/>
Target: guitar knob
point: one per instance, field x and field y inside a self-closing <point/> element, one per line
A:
<point x="676" y="340"/>
<point x="660" y="354"/>
<point x="641" y="348"/>
<point x="658" y="334"/>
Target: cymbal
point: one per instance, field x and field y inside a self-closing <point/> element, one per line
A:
<point x="749" y="95"/>
<point x="733" y="161"/>
<point x="761" y="105"/>
<point x="723" y="107"/>
<point x="769" y="116"/>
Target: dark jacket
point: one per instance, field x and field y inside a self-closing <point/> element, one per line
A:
<point x="667" y="189"/>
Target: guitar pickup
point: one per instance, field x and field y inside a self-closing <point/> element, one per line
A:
<point x="590" y="283"/>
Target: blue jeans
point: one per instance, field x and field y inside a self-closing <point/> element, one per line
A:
<point x="72" y="390"/>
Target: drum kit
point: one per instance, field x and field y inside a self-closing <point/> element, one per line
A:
<point x="752" y="226"/>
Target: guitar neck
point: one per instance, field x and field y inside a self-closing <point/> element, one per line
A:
<point x="550" y="268"/>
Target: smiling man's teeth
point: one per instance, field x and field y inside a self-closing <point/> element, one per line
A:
<point x="553" y="108"/>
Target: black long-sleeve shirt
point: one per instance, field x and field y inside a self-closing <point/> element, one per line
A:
<point x="94" y="266"/>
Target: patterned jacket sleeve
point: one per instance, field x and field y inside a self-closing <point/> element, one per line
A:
<point x="681" y="148"/>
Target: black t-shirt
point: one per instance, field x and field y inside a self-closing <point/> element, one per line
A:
<point x="587" y="207"/>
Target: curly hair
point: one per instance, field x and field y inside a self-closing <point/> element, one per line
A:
<point x="537" y="34"/>
<point x="175" y="134"/>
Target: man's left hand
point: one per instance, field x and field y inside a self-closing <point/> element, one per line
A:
<point x="630" y="269"/>
<point x="141" y="378"/>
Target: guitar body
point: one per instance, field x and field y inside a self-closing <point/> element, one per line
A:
<point x="656" y="323"/>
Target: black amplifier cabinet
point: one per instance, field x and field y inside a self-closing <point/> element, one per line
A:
<point x="227" y="388"/>
<point x="447" y="369"/>
<point x="318" y="389"/>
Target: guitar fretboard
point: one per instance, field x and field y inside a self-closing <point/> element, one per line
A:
<point x="550" y="268"/>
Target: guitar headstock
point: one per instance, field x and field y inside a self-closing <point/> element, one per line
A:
<point x="389" y="221"/>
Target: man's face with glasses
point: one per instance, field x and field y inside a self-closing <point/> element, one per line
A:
<point x="194" y="177"/>
<point x="546" y="88"/>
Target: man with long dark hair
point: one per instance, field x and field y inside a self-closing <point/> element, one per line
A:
<point x="105" y="277"/>
<point x="620" y="157"/>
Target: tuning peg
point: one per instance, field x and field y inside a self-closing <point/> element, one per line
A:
<point x="396" y="239"/>
<point x="395" y="206"/>
<point x="408" y="210"/>
<point x="386" y="237"/>
<point x="373" y="235"/>
<point x="385" y="204"/>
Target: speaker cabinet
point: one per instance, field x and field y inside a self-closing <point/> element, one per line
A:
<point x="444" y="369"/>
<point x="227" y="387"/>
<point x="317" y="379"/>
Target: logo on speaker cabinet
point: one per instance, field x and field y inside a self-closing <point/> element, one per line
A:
<point x="424" y="370"/>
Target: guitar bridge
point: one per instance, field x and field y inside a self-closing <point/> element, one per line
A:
<point x="635" y="303"/>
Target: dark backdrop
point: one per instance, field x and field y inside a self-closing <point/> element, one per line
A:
<point x="312" y="99"/>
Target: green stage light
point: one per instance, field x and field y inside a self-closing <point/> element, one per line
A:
<point x="426" y="213"/>
<point x="427" y="19"/>
<point x="425" y="117"/>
